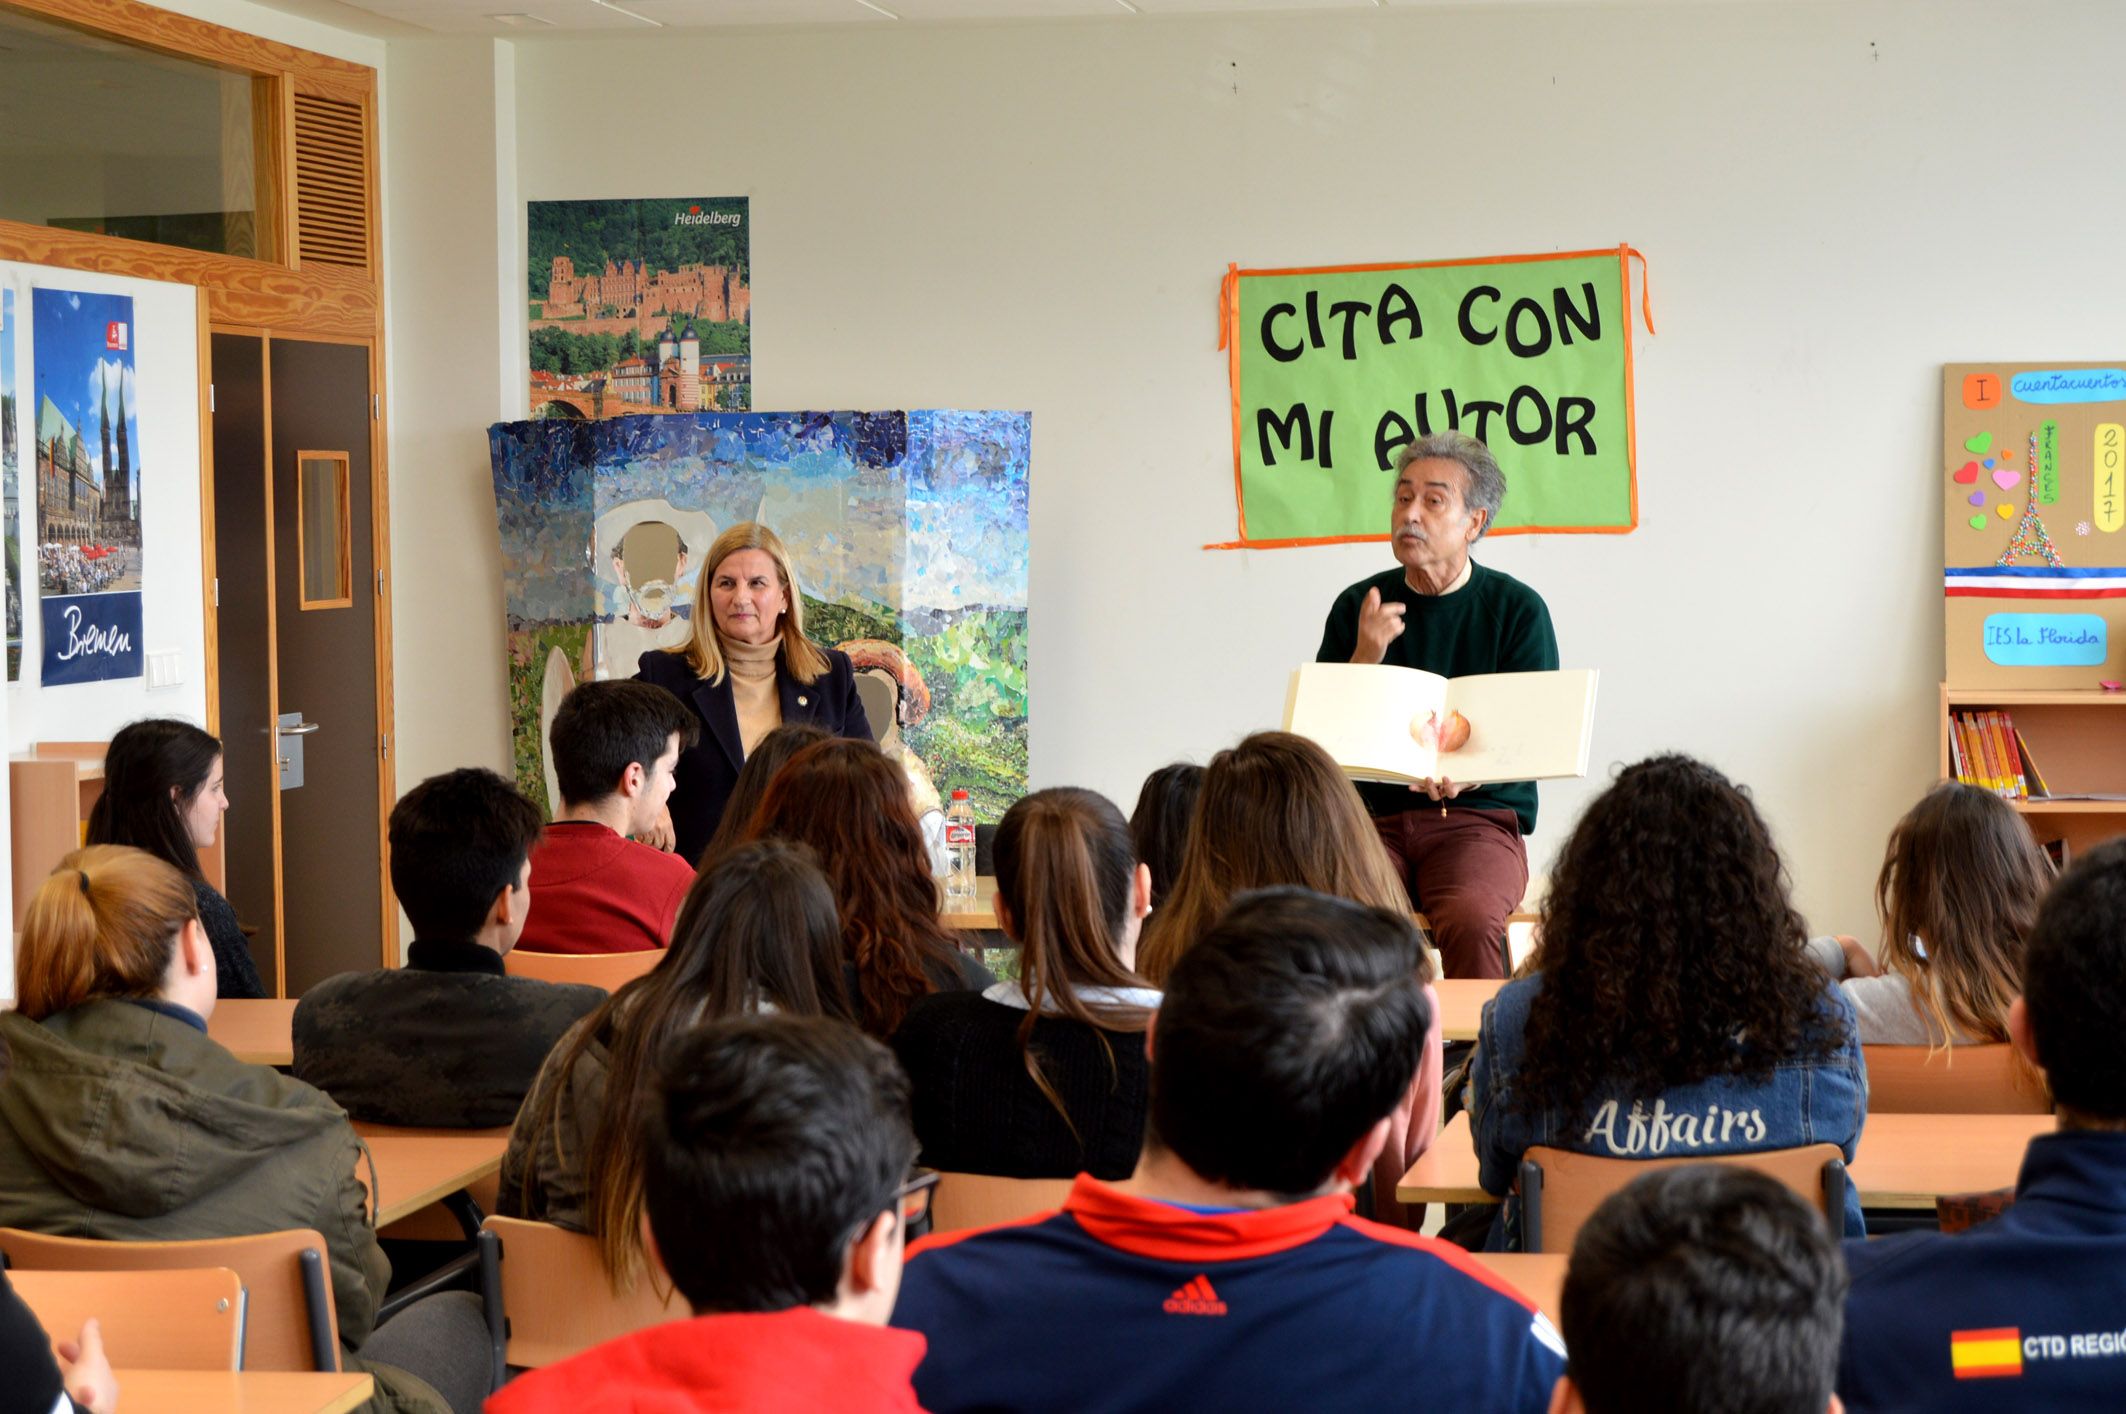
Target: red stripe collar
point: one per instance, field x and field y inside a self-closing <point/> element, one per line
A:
<point x="1151" y="1228"/>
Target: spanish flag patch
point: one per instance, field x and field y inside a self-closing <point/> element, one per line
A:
<point x="1988" y="1354"/>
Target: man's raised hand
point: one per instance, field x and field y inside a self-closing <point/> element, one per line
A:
<point x="1378" y="626"/>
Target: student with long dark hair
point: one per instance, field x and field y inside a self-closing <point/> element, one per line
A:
<point x="769" y="756"/>
<point x="847" y="801"/>
<point x="1959" y="891"/>
<point x="162" y="792"/>
<point x="757" y="933"/>
<point x="1159" y="826"/>
<point x="1044" y="1077"/>
<point x="1671" y="1010"/>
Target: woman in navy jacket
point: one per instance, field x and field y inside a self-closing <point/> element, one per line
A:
<point x="748" y="669"/>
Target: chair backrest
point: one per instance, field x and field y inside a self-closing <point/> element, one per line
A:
<point x="1967" y="1080"/>
<point x="964" y="1200"/>
<point x="1560" y="1190"/>
<point x="610" y="970"/>
<point x="547" y="1296"/>
<point x="289" y="1319"/>
<point x="186" y="1319"/>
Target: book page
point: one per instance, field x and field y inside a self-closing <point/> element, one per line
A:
<point x="1365" y="715"/>
<point x="1522" y="726"/>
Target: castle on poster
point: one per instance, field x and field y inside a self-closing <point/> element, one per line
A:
<point x="639" y="307"/>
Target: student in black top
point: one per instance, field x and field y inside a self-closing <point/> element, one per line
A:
<point x="1045" y="1077"/>
<point x="450" y="1040"/>
<point x="162" y="792"/>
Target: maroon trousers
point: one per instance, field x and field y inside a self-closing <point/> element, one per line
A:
<point x="1465" y="871"/>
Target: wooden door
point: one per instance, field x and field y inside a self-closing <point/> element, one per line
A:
<point x="244" y="617"/>
<point x="325" y="628"/>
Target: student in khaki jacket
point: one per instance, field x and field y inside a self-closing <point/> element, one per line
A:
<point x="121" y="1119"/>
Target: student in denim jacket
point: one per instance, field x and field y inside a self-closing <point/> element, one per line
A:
<point x="1671" y="1010"/>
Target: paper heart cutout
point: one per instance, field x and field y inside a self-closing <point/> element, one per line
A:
<point x="2006" y="478"/>
<point x="1978" y="522"/>
<point x="1979" y="445"/>
<point x="1966" y="474"/>
<point x="1978" y="498"/>
<point x="1987" y="463"/>
<point x="2006" y="512"/>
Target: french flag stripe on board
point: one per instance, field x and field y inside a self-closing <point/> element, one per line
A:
<point x="2035" y="582"/>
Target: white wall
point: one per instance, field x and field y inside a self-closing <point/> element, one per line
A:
<point x="1836" y="199"/>
<point x="172" y="615"/>
<point x="453" y="238"/>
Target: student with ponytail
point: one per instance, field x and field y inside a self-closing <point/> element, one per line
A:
<point x="1045" y="1077"/>
<point x="122" y="1120"/>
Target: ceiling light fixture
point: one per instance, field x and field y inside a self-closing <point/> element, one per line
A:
<point x="622" y="10"/>
<point x="1129" y="7"/>
<point x="518" y="20"/>
<point x="880" y="8"/>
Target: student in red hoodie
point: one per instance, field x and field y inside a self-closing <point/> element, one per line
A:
<point x="597" y="890"/>
<point x="776" y="1157"/>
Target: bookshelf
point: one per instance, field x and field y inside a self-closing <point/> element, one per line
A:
<point x="2077" y="737"/>
<point x="51" y="789"/>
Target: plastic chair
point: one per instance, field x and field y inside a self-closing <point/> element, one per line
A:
<point x="186" y="1319"/>
<point x="965" y="1200"/>
<point x="1968" y="1080"/>
<point x="290" y="1322"/>
<point x="1560" y="1190"/>
<point x="547" y="1297"/>
<point x="608" y="970"/>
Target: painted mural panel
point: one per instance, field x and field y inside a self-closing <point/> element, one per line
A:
<point x="908" y="531"/>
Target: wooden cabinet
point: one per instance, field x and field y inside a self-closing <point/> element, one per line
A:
<point x="2078" y="739"/>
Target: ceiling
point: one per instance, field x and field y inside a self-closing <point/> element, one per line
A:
<point x="523" y="17"/>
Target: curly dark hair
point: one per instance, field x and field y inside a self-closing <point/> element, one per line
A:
<point x="1669" y="949"/>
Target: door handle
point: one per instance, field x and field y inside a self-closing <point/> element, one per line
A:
<point x="299" y="729"/>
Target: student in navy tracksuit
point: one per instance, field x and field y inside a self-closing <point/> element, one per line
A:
<point x="2028" y="1311"/>
<point x="1229" y="1273"/>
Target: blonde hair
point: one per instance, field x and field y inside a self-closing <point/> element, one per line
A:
<point x="704" y="650"/>
<point x="103" y="925"/>
<point x="1273" y="810"/>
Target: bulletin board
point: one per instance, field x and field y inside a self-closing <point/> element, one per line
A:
<point x="2034" y="523"/>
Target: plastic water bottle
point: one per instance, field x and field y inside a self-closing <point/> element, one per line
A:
<point x="959" y="848"/>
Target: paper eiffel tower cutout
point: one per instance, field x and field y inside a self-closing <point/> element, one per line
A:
<point x="2030" y="534"/>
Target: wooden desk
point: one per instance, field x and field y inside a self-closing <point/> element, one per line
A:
<point x="417" y="1167"/>
<point x="255" y="1030"/>
<point x="1904" y="1160"/>
<point x="245" y="1392"/>
<point x="981" y="916"/>
<point x="1539" y="1276"/>
<point x="1461" y="1004"/>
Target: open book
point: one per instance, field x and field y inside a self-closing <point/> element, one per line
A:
<point x="1385" y="723"/>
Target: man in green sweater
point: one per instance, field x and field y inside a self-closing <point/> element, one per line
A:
<point x="1461" y="858"/>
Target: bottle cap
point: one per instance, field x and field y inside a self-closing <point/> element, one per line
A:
<point x="959" y="795"/>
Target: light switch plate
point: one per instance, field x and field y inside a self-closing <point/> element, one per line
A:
<point x="165" y="670"/>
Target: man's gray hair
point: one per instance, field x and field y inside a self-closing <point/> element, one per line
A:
<point x="1486" y="490"/>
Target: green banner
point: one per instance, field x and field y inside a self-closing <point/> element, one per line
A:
<point x="1334" y="369"/>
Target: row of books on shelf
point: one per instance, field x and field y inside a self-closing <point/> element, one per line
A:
<point x="1988" y="752"/>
